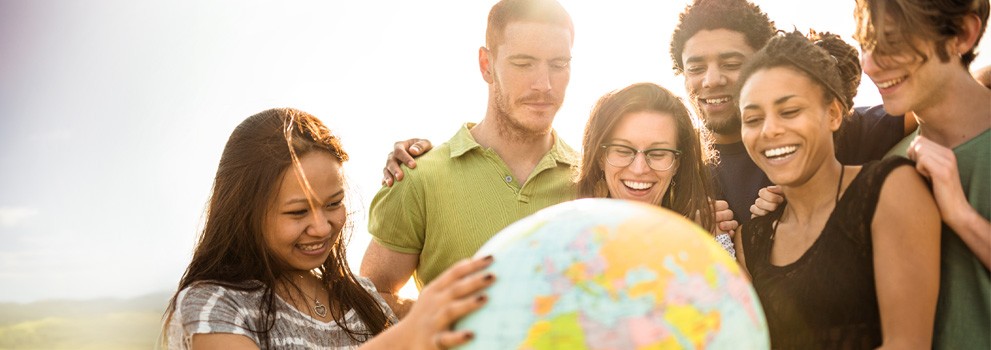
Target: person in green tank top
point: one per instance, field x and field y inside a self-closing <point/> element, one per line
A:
<point x="918" y="53"/>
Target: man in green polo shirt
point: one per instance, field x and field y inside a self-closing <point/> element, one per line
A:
<point x="491" y="174"/>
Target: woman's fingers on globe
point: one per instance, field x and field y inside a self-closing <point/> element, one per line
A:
<point x="471" y="284"/>
<point x="459" y="270"/>
<point x="454" y="310"/>
<point x="449" y="339"/>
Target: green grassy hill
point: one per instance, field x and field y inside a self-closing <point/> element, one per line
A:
<point x="90" y="324"/>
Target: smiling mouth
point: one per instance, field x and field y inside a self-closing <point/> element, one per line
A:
<point x="889" y="83"/>
<point x="637" y="185"/>
<point x="715" y="101"/>
<point x="312" y="246"/>
<point x="780" y="152"/>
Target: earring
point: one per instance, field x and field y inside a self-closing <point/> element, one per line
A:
<point x="671" y="193"/>
<point x="601" y="190"/>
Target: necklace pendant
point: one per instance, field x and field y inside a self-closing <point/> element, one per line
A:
<point x="320" y="309"/>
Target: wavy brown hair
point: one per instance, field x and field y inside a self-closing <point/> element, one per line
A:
<point x="231" y="251"/>
<point x="691" y="183"/>
<point x="929" y="20"/>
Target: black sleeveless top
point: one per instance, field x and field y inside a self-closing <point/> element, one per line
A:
<point x="826" y="299"/>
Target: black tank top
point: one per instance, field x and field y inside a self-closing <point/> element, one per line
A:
<point x="826" y="299"/>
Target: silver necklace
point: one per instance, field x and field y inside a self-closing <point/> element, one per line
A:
<point x="318" y="308"/>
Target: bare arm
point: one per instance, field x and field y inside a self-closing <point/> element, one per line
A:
<point x="403" y="152"/>
<point x="389" y="271"/>
<point x="454" y="294"/>
<point x="225" y="341"/>
<point x="939" y="165"/>
<point x="905" y="234"/>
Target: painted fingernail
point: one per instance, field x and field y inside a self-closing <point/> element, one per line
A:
<point x="488" y="277"/>
<point x="469" y="335"/>
<point x="488" y="258"/>
<point x="481" y="298"/>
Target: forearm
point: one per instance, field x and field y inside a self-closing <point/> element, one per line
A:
<point x="974" y="231"/>
<point x="400" y="306"/>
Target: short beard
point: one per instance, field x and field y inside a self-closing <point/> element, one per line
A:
<point x="510" y="128"/>
<point x="727" y="126"/>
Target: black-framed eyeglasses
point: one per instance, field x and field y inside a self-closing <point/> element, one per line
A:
<point x="622" y="156"/>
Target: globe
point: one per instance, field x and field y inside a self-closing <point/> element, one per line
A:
<point x="613" y="274"/>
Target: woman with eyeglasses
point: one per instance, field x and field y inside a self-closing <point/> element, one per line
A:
<point x="640" y="145"/>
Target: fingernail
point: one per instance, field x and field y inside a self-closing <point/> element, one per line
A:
<point x="481" y="298"/>
<point x="410" y="164"/>
<point x="469" y="336"/>
<point x="415" y="149"/>
<point x="488" y="258"/>
<point x="488" y="277"/>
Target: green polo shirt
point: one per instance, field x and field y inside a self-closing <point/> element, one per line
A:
<point x="963" y="312"/>
<point x="460" y="195"/>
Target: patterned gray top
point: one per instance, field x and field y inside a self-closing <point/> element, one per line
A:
<point x="209" y="308"/>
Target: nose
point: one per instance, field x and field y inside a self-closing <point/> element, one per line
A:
<point x="321" y="226"/>
<point x="772" y="127"/>
<point x="542" y="79"/>
<point x="713" y="77"/>
<point x="639" y="165"/>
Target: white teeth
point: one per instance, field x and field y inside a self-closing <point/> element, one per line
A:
<point x="309" y="247"/>
<point x="889" y="83"/>
<point x="638" y="185"/>
<point x="780" y="151"/>
<point x="713" y="101"/>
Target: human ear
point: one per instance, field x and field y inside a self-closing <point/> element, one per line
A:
<point x="835" y="113"/>
<point x="485" y="64"/>
<point x="967" y="38"/>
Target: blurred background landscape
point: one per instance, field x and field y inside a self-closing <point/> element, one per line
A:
<point x="113" y="115"/>
<point x="106" y="323"/>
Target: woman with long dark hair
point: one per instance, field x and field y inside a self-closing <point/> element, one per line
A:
<point x="270" y="269"/>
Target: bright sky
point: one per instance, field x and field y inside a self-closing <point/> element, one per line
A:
<point x="113" y="113"/>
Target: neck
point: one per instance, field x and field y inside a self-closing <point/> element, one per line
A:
<point x="725" y="139"/>
<point x="816" y="196"/>
<point x="960" y="114"/>
<point x="520" y="152"/>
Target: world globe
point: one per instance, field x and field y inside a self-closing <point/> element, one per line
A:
<point x="613" y="274"/>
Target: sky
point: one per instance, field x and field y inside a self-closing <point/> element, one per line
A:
<point x="114" y="113"/>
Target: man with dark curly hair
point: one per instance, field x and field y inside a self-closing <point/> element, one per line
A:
<point x="710" y="44"/>
<point x="712" y="41"/>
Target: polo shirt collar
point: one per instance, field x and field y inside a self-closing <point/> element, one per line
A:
<point x="462" y="142"/>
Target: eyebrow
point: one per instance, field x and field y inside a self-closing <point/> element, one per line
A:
<point x="304" y="200"/>
<point x="721" y="56"/>
<point x="628" y="141"/>
<point x="521" y="56"/>
<point x="780" y="100"/>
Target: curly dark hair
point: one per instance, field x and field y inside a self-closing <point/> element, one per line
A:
<point x="736" y="15"/>
<point x="823" y="57"/>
